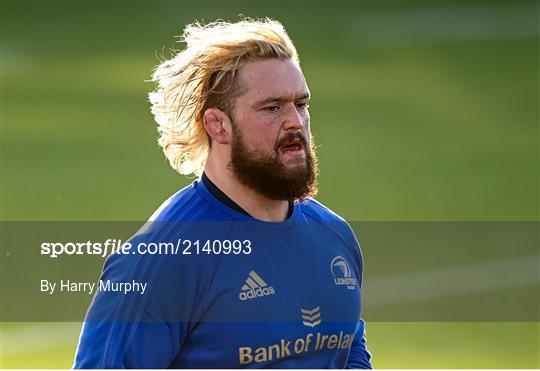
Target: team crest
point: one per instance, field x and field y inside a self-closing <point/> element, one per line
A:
<point x="342" y="273"/>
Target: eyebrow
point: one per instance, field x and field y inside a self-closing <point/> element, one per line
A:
<point x="264" y="101"/>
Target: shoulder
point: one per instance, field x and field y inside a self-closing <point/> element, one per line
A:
<point x="160" y="242"/>
<point x="188" y="204"/>
<point x="319" y="213"/>
<point x="184" y="204"/>
<point x="316" y="212"/>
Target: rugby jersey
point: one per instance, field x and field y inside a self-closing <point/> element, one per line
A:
<point x="230" y="291"/>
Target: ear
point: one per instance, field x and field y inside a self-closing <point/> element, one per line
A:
<point x="217" y="124"/>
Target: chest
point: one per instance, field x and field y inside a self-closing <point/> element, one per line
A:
<point x="307" y="279"/>
<point x="285" y="277"/>
<point x="293" y="300"/>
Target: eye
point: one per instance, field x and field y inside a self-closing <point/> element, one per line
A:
<point x="302" y="105"/>
<point x="273" y="108"/>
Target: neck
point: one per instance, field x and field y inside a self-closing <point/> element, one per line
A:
<point x="257" y="205"/>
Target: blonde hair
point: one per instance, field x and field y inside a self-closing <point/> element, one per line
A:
<point x="203" y="76"/>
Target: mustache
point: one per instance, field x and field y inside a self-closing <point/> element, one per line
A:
<point x="290" y="138"/>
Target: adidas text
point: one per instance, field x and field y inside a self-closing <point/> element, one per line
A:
<point x="256" y="293"/>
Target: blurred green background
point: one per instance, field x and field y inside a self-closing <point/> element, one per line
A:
<point x="424" y="111"/>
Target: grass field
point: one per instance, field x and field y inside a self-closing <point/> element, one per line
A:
<point x="423" y="111"/>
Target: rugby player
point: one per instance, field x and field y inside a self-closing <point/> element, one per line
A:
<point x="265" y="275"/>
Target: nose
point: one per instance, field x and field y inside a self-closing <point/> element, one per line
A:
<point x="293" y="119"/>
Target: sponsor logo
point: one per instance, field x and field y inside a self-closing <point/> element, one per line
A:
<point x="311" y="317"/>
<point x="342" y="273"/>
<point x="286" y="347"/>
<point x="255" y="287"/>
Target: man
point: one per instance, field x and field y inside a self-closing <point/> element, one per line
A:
<point x="265" y="276"/>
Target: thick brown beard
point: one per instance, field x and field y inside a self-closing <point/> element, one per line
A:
<point x="268" y="176"/>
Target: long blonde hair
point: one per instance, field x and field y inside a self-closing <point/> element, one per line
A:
<point x="203" y="76"/>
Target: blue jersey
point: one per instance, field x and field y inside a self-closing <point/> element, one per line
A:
<point x="224" y="290"/>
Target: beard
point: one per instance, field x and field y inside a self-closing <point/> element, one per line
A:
<point x="268" y="175"/>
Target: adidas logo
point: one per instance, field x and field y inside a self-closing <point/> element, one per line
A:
<point x="311" y="317"/>
<point x="255" y="287"/>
